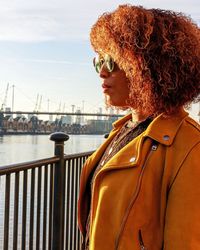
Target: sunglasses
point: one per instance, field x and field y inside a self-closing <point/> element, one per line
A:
<point x="107" y="61"/>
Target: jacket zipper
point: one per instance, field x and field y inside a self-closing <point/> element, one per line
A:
<point x="153" y="148"/>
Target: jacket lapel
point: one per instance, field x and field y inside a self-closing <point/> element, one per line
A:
<point x="163" y="130"/>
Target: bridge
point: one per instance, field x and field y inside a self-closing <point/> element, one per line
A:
<point x="58" y="113"/>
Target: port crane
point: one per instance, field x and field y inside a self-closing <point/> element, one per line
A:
<point x="5" y="98"/>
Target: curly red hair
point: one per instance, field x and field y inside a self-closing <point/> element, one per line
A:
<point x="159" y="52"/>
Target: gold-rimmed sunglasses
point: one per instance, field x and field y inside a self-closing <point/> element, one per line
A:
<point x="105" y="60"/>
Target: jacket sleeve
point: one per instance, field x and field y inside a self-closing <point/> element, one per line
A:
<point x="182" y="222"/>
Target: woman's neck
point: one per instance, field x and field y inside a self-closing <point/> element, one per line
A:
<point x="138" y="116"/>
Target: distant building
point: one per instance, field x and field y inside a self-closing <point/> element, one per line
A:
<point x="1" y="120"/>
<point x="99" y="126"/>
<point x="7" y="109"/>
<point x="50" y="118"/>
<point x="78" y="117"/>
<point x="100" y="112"/>
<point x="66" y="119"/>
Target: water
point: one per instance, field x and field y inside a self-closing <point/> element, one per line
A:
<point x="21" y="148"/>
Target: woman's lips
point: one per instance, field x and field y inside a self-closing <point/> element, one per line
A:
<point x="105" y="88"/>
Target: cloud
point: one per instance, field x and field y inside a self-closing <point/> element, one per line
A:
<point x="49" y="20"/>
<point x="48" y="61"/>
<point x="36" y="22"/>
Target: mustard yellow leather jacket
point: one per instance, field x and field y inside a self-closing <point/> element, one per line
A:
<point x="148" y="195"/>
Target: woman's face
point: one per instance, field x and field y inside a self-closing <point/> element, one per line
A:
<point x="115" y="86"/>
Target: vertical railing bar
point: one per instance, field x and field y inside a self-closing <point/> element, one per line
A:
<point x="72" y="206"/>
<point x="32" y="203"/>
<point x="79" y="171"/>
<point x="38" y="209"/>
<point x="45" y="206"/>
<point x="50" y="205"/>
<point x="65" y="209"/>
<point x="64" y="192"/>
<point x="77" y="191"/>
<point x="78" y="188"/>
<point x="83" y="159"/>
<point x="67" y="205"/>
<point x="24" y="204"/>
<point x="81" y="162"/>
<point x="16" y="209"/>
<point x="7" y="211"/>
<point x="75" y="200"/>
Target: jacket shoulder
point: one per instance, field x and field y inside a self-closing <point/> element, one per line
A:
<point x="191" y="122"/>
<point x="191" y="130"/>
<point x="186" y="142"/>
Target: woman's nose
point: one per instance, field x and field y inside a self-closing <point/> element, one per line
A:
<point x="104" y="72"/>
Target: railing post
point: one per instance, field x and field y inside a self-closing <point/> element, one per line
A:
<point x="57" y="235"/>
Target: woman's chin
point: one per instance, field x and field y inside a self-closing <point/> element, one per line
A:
<point x="117" y="104"/>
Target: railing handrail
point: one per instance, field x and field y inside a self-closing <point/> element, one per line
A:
<point x="12" y="168"/>
<point x="73" y="156"/>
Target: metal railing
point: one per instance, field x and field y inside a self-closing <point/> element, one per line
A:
<point x="40" y="201"/>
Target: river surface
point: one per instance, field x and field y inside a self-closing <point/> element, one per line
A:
<point x="22" y="148"/>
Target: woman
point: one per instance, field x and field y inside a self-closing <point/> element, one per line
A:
<point x="140" y="189"/>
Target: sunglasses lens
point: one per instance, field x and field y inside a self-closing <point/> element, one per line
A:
<point x="98" y="67"/>
<point x="99" y="61"/>
<point x="109" y="63"/>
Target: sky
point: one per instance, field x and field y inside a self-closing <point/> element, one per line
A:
<point x="45" y="51"/>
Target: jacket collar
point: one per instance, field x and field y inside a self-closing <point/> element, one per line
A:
<point x="162" y="129"/>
